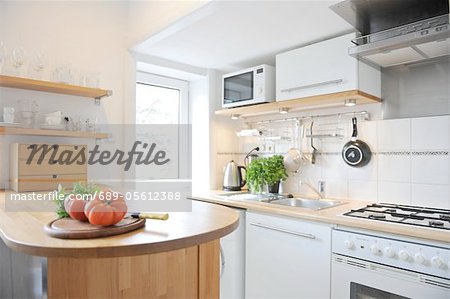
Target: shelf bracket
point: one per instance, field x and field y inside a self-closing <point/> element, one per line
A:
<point x="109" y="93"/>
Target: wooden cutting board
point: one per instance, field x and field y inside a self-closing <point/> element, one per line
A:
<point x="67" y="228"/>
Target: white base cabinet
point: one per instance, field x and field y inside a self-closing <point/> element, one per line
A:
<point x="232" y="278"/>
<point x="324" y="68"/>
<point x="286" y="258"/>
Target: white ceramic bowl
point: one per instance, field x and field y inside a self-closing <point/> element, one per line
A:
<point x="53" y="120"/>
<point x="292" y="160"/>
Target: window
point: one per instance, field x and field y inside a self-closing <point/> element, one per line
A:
<point x="161" y="100"/>
<point x="163" y="103"/>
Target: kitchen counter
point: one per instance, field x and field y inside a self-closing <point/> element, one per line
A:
<point x="177" y="258"/>
<point x="331" y="215"/>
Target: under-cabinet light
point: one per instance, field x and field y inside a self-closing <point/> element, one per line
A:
<point x="350" y="102"/>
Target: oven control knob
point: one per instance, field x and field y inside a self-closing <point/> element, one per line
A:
<point x="388" y="251"/>
<point x="349" y="244"/>
<point x="404" y="255"/>
<point x="420" y="258"/>
<point x="375" y="250"/>
<point x="437" y="262"/>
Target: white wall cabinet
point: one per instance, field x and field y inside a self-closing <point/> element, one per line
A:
<point x="286" y="258"/>
<point x="323" y="68"/>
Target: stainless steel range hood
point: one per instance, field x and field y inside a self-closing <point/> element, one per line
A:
<point x="394" y="32"/>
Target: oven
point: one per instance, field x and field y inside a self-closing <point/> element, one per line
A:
<point x="366" y="266"/>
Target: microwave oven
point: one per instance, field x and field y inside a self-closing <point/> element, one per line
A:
<point x="250" y="86"/>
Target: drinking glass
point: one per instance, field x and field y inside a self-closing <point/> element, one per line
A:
<point x="18" y="59"/>
<point x="39" y="63"/>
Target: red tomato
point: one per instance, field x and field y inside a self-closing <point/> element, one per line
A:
<point x="107" y="208"/>
<point x="75" y="207"/>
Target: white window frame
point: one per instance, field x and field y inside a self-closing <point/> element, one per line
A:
<point x="184" y="167"/>
<point x="183" y="86"/>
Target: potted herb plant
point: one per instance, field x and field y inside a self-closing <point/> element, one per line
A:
<point x="255" y="176"/>
<point x="274" y="172"/>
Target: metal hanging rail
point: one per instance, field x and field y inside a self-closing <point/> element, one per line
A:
<point x="357" y="113"/>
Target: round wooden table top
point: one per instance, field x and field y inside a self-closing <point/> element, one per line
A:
<point x="24" y="232"/>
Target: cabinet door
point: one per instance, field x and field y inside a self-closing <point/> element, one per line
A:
<point x="287" y="258"/>
<point x="319" y="68"/>
<point x="233" y="262"/>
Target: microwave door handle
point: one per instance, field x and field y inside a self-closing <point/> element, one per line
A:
<point x="338" y="81"/>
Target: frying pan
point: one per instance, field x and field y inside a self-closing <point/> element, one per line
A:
<point x="356" y="153"/>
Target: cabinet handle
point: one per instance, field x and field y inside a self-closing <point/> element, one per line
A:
<point x="309" y="236"/>
<point x="222" y="261"/>
<point x="313" y="85"/>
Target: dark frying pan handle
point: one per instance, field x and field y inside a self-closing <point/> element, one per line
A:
<point x="355" y="127"/>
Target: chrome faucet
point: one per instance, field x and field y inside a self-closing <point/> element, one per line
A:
<point x="321" y="187"/>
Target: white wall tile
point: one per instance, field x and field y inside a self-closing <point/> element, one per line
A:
<point x="368" y="172"/>
<point x="290" y="185"/>
<point x="430" y="133"/>
<point x="399" y="193"/>
<point x="437" y="196"/>
<point x="306" y="187"/>
<point x="333" y="145"/>
<point x="333" y="167"/>
<point x="337" y="189"/>
<point x="308" y="170"/>
<point x="363" y="190"/>
<point x="367" y="132"/>
<point x="395" y="168"/>
<point x="430" y="169"/>
<point x="394" y="134"/>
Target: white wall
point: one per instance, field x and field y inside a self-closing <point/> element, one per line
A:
<point x="199" y="117"/>
<point x="91" y="36"/>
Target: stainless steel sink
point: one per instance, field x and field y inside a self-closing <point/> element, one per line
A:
<point x="266" y="197"/>
<point x="312" y="204"/>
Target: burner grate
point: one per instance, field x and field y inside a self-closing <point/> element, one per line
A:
<point x="410" y="215"/>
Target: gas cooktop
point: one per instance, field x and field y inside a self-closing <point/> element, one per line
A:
<point x="411" y="215"/>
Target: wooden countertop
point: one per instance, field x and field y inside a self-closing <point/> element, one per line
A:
<point x="24" y="232"/>
<point x="330" y="215"/>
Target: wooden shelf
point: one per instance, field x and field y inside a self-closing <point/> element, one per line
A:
<point x="315" y="102"/>
<point x="54" y="133"/>
<point x="47" y="86"/>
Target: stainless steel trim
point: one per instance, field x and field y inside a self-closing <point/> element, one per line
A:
<point x="313" y="85"/>
<point x="398" y="42"/>
<point x="44" y="278"/>
<point x="303" y="235"/>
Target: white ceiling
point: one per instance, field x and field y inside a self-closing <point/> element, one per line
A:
<point x="227" y="35"/>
